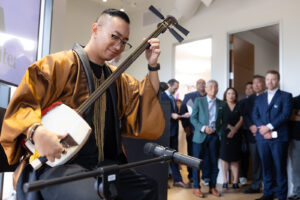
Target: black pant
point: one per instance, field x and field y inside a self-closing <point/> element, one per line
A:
<point x="189" y="140"/>
<point x="245" y="156"/>
<point x="256" y="167"/>
<point x="132" y="185"/>
<point x="175" y="166"/>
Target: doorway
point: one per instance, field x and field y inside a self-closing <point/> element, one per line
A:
<point x="192" y="62"/>
<point x="252" y="52"/>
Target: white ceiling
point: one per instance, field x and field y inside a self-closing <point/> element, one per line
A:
<point x="128" y="5"/>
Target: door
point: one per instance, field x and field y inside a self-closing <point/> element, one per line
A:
<point x="241" y="64"/>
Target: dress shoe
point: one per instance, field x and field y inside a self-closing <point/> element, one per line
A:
<point x="243" y="181"/>
<point x="225" y="185"/>
<point x="214" y="192"/>
<point x="198" y="193"/>
<point x="235" y="186"/>
<point x="270" y="197"/>
<point x="181" y="184"/>
<point x="293" y="197"/>
<point x="251" y="191"/>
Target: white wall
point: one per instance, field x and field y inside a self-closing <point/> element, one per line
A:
<point x="266" y="54"/>
<point x="72" y="20"/>
<point x="218" y="21"/>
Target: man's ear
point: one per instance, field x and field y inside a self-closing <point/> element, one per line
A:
<point x="95" y="27"/>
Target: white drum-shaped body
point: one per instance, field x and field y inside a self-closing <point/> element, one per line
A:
<point x="63" y="119"/>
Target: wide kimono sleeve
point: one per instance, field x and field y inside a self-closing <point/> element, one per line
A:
<point x="139" y="108"/>
<point x="41" y="85"/>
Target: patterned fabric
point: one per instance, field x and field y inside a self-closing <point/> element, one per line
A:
<point x="99" y="117"/>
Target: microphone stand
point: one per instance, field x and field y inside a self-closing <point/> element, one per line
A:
<point x="107" y="177"/>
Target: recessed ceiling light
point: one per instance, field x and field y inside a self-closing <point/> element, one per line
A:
<point x="104" y="0"/>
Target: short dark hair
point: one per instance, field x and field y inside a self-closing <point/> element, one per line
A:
<point x="249" y="83"/>
<point x="274" y="72"/>
<point x="163" y="86"/>
<point x="258" y="76"/>
<point x="172" y="81"/>
<point x="236" y="94"/>
<point x="116" y="13"/>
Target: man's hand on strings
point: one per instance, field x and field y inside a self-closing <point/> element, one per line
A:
<point x="48" y="143"/>
<point x="153" y="52"/>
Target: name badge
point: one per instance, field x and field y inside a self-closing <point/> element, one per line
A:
<point x="274" y="134"/>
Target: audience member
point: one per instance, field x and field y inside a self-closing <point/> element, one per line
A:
<point x="244" y="166"/>
<point x="270" y="114"/>
<point x="209" y="120"/>
<point x="230" y="149"/>
<point x="295" y="148"/>
<point x="258" y="84"/>
<point x="168" y="95"/>
<point x="189" y="129"/>
<point x="163" y="86"/>
<point x="248" y="89"/>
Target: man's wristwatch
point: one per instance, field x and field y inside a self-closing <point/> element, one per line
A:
<point x="154" y="68"/>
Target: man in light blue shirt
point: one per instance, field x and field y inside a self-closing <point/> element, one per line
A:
<point x="209" y="119"/>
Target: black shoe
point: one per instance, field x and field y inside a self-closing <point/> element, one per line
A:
<point x="181" y="184"/>
<point x="225" y="185"/>
<point x="293" y="197"/>
<point x="266" y="198"/>
<point x="235" y="186"/>
<point x="251" y="191"/>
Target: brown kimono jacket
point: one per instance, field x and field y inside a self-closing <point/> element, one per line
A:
<point x="59" y="77"/>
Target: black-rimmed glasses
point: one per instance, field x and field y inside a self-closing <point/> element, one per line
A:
<point x="119" y="41"/>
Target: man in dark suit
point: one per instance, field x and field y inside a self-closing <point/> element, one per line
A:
<point x="189" y="129"/>
<point x="244" y="166"/>
<point x="258" y="85"/>
<point x="168" y="95"/>
<point x="270" y="114"/>
<point x="209" y="120"/>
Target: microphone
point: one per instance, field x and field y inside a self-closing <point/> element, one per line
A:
<point x="157" y="150"/>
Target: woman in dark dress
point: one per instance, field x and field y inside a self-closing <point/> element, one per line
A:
<point x="230" y="150"/>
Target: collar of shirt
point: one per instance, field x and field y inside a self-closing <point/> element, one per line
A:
<point x="271" y="95"/>
<point x="168" y="93"/>
<point x="209" y="100"/>
<point x="272" y="92"/>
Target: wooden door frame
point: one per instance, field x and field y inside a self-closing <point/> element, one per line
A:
<point x="249" y="28"/>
